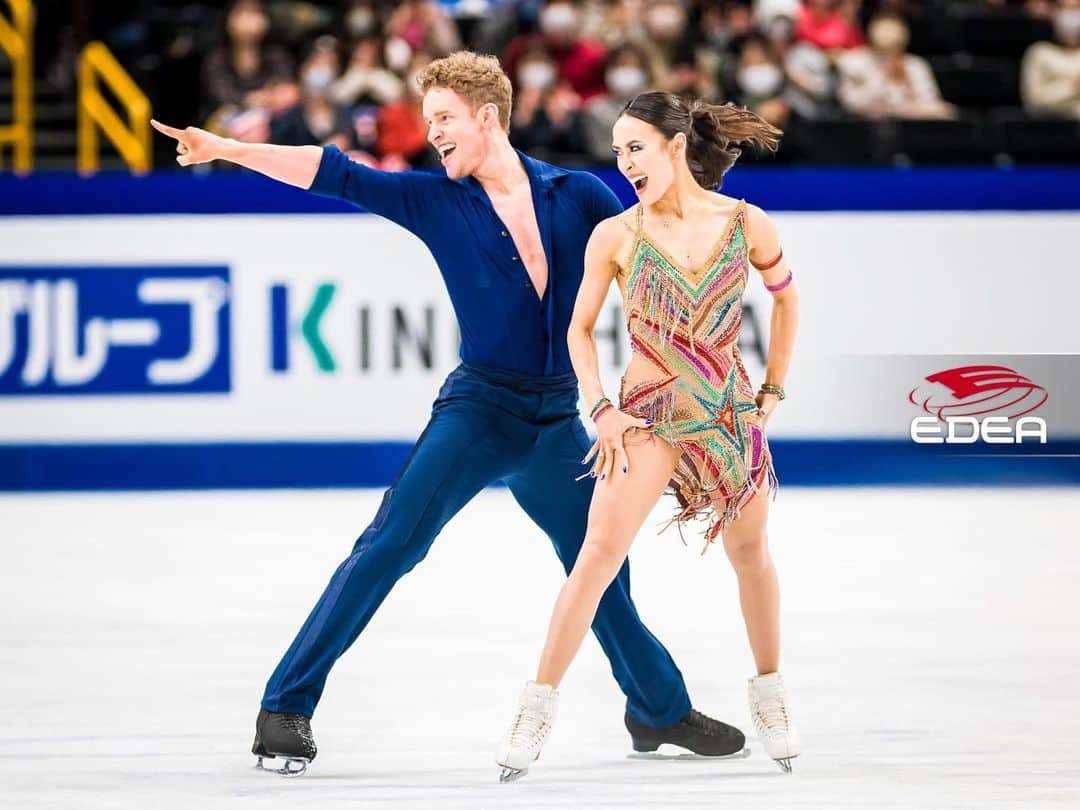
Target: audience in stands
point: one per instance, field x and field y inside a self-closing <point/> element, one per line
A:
<point x="626" y="75"/>
<point x="402" y="133"/>
<point x="760" y="81"/>
<point x="884" y="80"/>
<point x="367" y="80"/>
<point x="547" y="110"/>
<point x="247" y="78"/>
<point x="425" y="27"/>
<point x="579" y="61"/>
<point x="575" y="63"/>
<point x="825" y="24"/>
<point x="317" y="118"/>
<point x="811" y="83"/>
<point x="1050" y="74"/>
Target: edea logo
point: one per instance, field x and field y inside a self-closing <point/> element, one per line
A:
<point x="973" y="403"/>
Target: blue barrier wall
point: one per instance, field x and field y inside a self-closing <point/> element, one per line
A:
<point x="154" y="465"/>
<point x="788" y="189"/>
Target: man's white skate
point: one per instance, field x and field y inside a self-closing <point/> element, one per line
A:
<point x="522" y="743"/>
<point x="769" y="711"/>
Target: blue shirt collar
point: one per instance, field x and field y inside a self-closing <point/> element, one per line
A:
<point x="541" y="173"/>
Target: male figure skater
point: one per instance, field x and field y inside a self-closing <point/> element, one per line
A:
<point x="508" y="234"/>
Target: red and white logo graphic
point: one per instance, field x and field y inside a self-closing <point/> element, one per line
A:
<point x="978" y="391"/>
<point x="973" y="402"/>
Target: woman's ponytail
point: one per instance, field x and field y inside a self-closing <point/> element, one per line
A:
<point x="717" y="133"/>
<point x="714" y="133"/>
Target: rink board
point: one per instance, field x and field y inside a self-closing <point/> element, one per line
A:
<point x="182" y="350"/>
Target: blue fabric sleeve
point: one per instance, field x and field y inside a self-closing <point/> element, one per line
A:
<point x="604" y="202"/>
<point x="401" y="197"/>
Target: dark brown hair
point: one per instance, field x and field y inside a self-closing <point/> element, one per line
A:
<point x="714" y="132"/>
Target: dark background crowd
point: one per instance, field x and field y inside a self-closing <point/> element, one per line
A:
<point x="850" y="81"/>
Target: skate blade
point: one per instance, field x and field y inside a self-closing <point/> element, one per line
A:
<point x="287" y="770"/>
<point x="785" y="764"/>
<point x="674" y="753"/>
<point x="511" y="774"/>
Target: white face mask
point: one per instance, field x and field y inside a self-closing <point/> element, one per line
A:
<point x="560" y="18"/>
<point x="760" y="80"/>
<point x="360" y="21"/>
<point x="398" y="54"/>
<point x="625" y="81"/>
<point x="664" y="22"/>
<point x="317" y="79"/>
<point x="1067" y="23"/>
<point x="536" y="75"/>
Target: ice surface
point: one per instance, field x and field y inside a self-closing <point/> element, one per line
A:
<point x="931" y="650"/>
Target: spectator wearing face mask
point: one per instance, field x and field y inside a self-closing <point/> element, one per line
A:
<point x="823" y="24"/>
<point x="1050" y="71"/>
<point x="317" y="119"/>
<point x="402" y="131"/>
<point x="626" y="75"/>
<point x="546" y="116"/>
<point x="884" y="80"/>
<point x="760" y="81"/>
<point x="718" y="31"/>
<point x="811" y="88"/>
<point x="578" y="61"/>
<point x="367" y="79"/>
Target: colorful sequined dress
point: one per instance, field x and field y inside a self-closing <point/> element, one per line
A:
<point x="686" y="375"/>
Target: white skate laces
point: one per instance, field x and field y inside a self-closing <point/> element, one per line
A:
<point x="772" y="720"/>
<point x="522" y="743"/>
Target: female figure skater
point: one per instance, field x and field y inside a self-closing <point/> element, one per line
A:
<point x="687" y="413"/>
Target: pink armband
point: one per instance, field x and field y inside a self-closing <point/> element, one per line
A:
<point x="781" y="285"/>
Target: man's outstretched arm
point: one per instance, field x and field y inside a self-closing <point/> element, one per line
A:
<point x="295" y="165"/>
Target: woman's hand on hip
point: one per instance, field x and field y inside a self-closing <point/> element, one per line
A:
<point x="610" y="453"/>
<point x="766" y="405"/>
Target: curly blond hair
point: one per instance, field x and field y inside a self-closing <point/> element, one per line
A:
<point x="477" y="78"/>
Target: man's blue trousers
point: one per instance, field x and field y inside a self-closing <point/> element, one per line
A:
<point x="486" y="425"/>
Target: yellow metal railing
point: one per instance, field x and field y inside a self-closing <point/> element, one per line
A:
<point x="17" y="40"/>
<point x="98" y="66"/>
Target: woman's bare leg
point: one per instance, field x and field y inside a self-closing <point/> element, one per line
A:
<point x="747" y="547"/>
<point x="619" y="506"/>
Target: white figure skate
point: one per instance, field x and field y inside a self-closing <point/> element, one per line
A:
<point x="521" y="745"/>
<point x="772" y="720"/>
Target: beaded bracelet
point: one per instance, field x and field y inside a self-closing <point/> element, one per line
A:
<point x="600" y="408"/>
<point x="776" y="390"/>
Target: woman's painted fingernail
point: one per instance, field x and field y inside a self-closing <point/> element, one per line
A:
<point x="602" y="477"/>
<point x="624" y="469"/>
<point x="648" y="421"/>
<point x="592" y="475"/>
